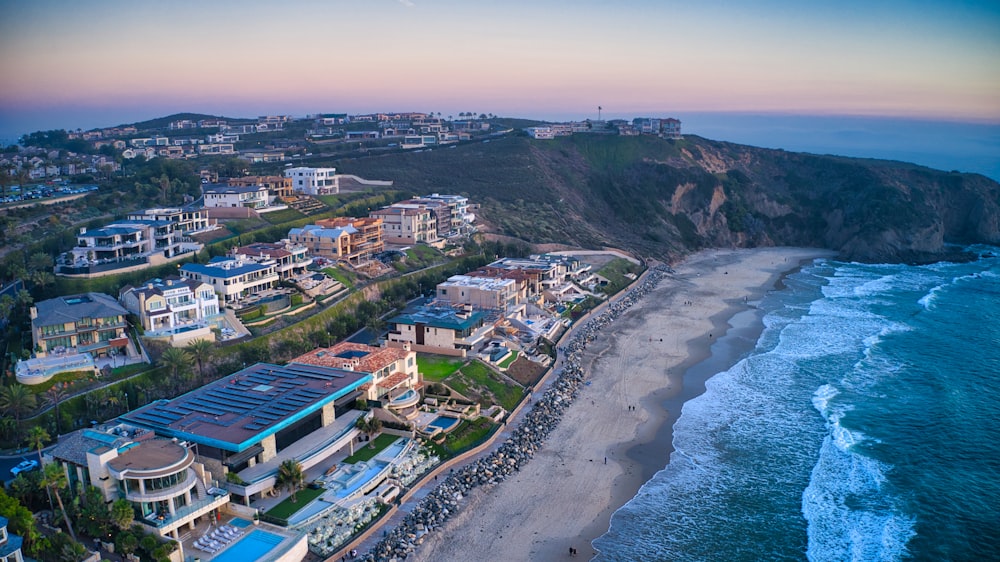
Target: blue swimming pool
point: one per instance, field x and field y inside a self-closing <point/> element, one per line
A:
<point x="251" y="547"/>
<point x="241" y="523"/>
<point x="444" y="422"/>
<point x="356" y="480"/>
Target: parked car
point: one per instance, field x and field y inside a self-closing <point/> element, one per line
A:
<point x="24" y="466"/>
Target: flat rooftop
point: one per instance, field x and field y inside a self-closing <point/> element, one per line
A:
<point x="240" y="410"/>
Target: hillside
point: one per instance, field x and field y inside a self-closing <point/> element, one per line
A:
<point x="666" y="198"/>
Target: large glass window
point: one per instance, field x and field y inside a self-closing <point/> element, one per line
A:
<point x="165" y="482"/>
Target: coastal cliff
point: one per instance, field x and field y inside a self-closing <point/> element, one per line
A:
<point x="667" y="198"/>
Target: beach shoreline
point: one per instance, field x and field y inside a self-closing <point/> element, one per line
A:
<point x="618" y="433"/>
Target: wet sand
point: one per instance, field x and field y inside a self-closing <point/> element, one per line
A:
<point x="618" y="432"/>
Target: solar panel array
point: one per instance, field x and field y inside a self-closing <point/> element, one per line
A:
<point x="264" y="393"/>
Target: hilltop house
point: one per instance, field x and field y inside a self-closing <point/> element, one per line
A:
<point x="314" y="181"/>
<point x="10" y="545"/>
<point x="250" y="421"/>
<point x="233" y="279"/>
<point x="349" y="239"/>
<point x="408" y="225"/>
<point x="187" y="221"/>
<point x="173" y="307"/>
<point x="168" y="487"/>
<point x="290" y="258"/>
<point x="249" y="196"/>
<point x="90" y="322"/>
<point x="393" y="370"/>
<point x="442" y="330"/>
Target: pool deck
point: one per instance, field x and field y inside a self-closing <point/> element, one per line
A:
<point x="205" y="528"/>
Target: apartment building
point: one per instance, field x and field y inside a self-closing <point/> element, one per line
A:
<point x="233" y="279"/>
<point x="314" y="181"/>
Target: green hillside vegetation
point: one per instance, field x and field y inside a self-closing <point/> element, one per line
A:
<point x="665" y="198"/>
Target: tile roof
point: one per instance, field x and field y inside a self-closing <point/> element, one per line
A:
<point x="364" y="358"/>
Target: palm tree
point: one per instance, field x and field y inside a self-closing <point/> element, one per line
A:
<point x="55" y="396"/>
<point x="291" y="477"/>
<point x="122" y="515"/>
<point x="369" y="427"/>
<point x="201" y="351"/>
<point x="37" y="438"/>
<point x="113" y="401"/>
<point x="178" y="362"/>
<point x="54" y="479"/>
<point x="16" y="400"/>
<point x="7" y="426"/>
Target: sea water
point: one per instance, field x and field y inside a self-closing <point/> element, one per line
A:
<point x="865" y="425"/>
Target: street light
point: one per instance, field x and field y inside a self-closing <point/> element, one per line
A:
<point x="127" y="408"/>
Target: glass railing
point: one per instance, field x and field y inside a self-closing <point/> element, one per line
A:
<point x="181" y="513"/>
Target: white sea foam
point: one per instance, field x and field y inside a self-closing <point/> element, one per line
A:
<point x="927" y="301"/>
<point x="849" y="516"/>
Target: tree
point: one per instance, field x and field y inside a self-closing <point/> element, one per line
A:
<point x="16" y="400"/>
<point x="178" y="362"/>
<point x="201" y="351"/>
<point x="369" y="427"/>
<point x="37" y="438"/>
<point x="122" y="514"/>
<point x="54" y="396"/>
<point x="55" y="480"/>
<point x="290" y="477"/>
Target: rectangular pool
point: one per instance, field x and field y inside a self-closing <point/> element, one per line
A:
<point x="444" y="422"/>
<point x="254" y="546"/>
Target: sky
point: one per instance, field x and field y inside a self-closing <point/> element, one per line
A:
<point x="69" y="64"/>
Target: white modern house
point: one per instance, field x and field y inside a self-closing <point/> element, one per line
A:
<point x="252" y="196"/>
<point x="314" y="181"/>
<point x="186" y="220"/>
<point x="233" y="279"/>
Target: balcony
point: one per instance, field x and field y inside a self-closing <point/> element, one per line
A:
<point x="166" y="493"/>
<point x="201" y="506"/>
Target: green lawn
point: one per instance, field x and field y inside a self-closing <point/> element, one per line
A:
<point x="507" y="394"/>
<point x="339" y="275"/>
<point x="286" y="508"/>
<point x="436" y="368"/>
<point x="467" y="435"/>
<point x="478" y="375"/>
<point x="282" y="216"/>
<point x="510" y="359"/>
<point x="365" y="453"/>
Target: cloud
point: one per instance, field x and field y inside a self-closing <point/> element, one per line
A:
<point x="407" y="3"/>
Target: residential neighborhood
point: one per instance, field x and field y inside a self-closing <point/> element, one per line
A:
<point x="268" y="343"/>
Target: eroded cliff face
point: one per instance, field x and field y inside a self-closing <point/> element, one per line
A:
<point x="668" y="198"/>
<point x="868" y="210"/>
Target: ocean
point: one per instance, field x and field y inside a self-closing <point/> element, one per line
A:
<point x="864" y="425"/>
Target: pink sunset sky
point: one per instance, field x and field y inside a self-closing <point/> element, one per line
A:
<point x="86" y="64"/>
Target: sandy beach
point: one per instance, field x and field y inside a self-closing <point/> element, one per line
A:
<point x="617" y="433"/>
